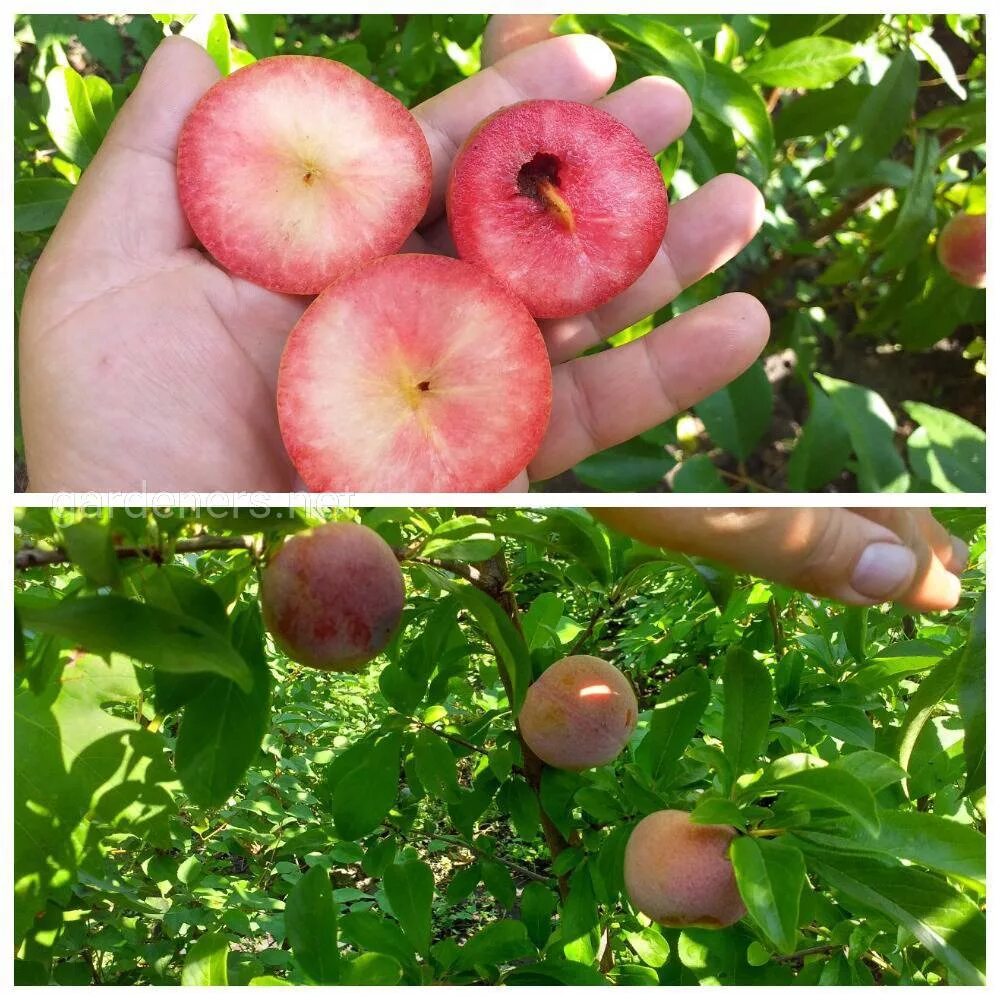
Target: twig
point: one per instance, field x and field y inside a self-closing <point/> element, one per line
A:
<point x="28" y="558"/>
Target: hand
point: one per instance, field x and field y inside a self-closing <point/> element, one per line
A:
<point x="861" y="556"/>
<point x="145" y="366"/>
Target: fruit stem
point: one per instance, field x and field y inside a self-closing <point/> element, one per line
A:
<point x="556" y="204"/>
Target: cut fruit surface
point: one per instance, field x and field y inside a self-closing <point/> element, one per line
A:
<point x="414" y="374"/>
<point x="296" y="169"/>
<point x="559" y="201"/>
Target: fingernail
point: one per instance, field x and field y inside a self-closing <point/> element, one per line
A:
<point x="959" y="555"/>
<point x="883" y="569"/>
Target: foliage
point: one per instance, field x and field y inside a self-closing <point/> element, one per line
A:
<point x="174" y="826"/>
<point x="865" y="132"/>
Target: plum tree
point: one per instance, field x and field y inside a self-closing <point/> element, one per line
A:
<point x="332" y="596"/>
<point x="679" y="874"/>
<point x="961" y="249"/>
<point x="580" y="713"/>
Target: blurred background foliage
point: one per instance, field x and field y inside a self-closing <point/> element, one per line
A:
<point x="866" y="133"/>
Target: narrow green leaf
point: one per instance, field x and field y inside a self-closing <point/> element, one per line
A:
<point x="972" y="699"/>
<point x="364" y="796"/>
<point x="737" y="416"/>
<point x="537" y="906"/>
<point x="205" y="962"/>
<point x="678" y="710"/>
<point x="39" y="202"/>
<point x="727" y="97"/>
<point x="822" y="449"/>
<point x="805" y="63"/>
<point x="409" y="888"/>
<point x="111" y="624"/>
<point x="832" y="786"/>
<point x="747" y="699"/>
<point x="222" y="727"/>
<point x="500" y="942"/>
<point x="211" y="31"/>
<point x="770" y="875"/>
<point x="70" y="118"/>
<point x="871" y="428"/>
<point x="311" y="926"/>
<point x="947" y="451"/>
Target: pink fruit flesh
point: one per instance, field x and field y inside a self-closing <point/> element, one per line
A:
<point x="560" y="201"/>
<point x="679" y="874"/>
<point x="414" y="374"/>
<point x="296" y="169"/>
<point x="962" y="249"/>
<point x="580" y="713"/>
<point x="332" y="597"/>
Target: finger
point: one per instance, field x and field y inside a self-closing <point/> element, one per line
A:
<point x="506" y="33"/>
<point x="829" y="552"/>
<point x="571" y="67"/>
<point x="127" y="204"/>
<point x="655" y="109"/>
<point x="919" y="530"/>
<point x="704" y="231"/>
<point x="604" y="399"/>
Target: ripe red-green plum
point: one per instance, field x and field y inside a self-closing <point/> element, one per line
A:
<point x="580" y="713"/>
<point x="679" y="874"/>
<point x="296" y="169"/>
<point x="332" y="596"/>
<point x="961" y="249"/>
<point x="558" y="200"/>
<point x="415" y="373"/>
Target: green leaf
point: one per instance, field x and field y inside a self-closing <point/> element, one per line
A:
<point x="737" y="416"/>
<point x="39" y="202"/>
<point x="720" y="811"/>
<point x="933" y="688"/>
<point x="916" y="217"/>
<point x="664" y="50"/>
<point x="211" y="32"/>
<point x="675" y="718"/>
<point x="500" y="883"/>
<point x="223" y="726"/>
<point x="880" y="121"/>
<point x="820" y="111"/>
<point x="435" y="765"/>
<point x="831" y="786"/>
<point x="697" y="474"/>
<point x="650" y="945"/>
<point x="364" y="796"/>
<point x="520" y="803"/>
<point x="409" y="888"/>
<point x="855" y="626"/>
<point x="537" y="906"/>
<point x="770" y="875"/>
<point x="372" y="970"/>
<point x="805" y="63"/>
<point x="822" y="449"/>
<point x="947" y="923"/>
<point x="76" y="766"/>
<point x="555" y="972"/>
<point x="847" y="723"/>
<point x="539" y="622"/>
<point x="636" y="465"/>
<point x="70" y="119"/>
<point x="747" y="699"/>
<point x="311" y="926"/>
<point x="370" y="932"/>
<point x="88" y="544"/>
<point x="556" y="795"/>
<point x="910" y="656"/>
<point x="205" y="962"/>
<point x="497" y="943"/>
<point x="946" y="451"/>
<point x="871" y="428"/>
<point x="511" y="650"/>
<point x="256" y="31"/>
<point x="112" y="624"/>
<point x="727" y="97"/>
<point x="972" y="699"/>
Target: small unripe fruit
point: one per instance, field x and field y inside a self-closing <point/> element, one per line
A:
<point x="580" y="713"/>
<point x="332" y="596"/>
<point x="679" y="874"/>
<point x="961" y="249"/>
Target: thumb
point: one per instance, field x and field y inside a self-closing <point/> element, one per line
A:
<point x="505" y="33"/>
<point x="126" y="204"/>
<point x="829" y="552"/>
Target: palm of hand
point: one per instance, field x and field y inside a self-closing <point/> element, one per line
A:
<point x="144" y="366"/>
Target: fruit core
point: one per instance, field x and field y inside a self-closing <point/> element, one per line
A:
<point x="539" y="179"/>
